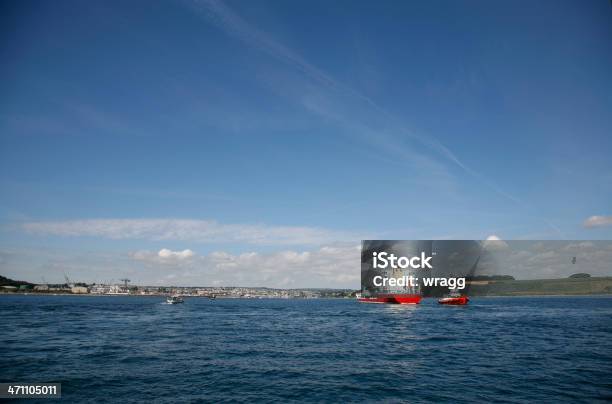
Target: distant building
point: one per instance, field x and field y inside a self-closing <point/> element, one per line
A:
<point x="79" y="290"/>
<point x="99" y="289"/>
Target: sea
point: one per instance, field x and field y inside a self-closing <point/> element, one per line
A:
<point x="139" y="349"/>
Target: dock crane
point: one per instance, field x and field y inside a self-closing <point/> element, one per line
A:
<point x="67" y="280"/>
<point x="125" y="282"/>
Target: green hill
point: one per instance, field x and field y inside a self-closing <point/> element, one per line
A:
<point x="4" y="281"/>
<point x="566" y="286"/>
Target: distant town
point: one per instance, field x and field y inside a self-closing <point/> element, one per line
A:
<point x="484" y="285"/>
<point x="126" y="288"/>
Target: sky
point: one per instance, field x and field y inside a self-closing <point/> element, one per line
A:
<point x="256" y="143"/>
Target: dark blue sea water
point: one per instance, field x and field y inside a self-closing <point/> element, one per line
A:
<point x="106" y="349"/>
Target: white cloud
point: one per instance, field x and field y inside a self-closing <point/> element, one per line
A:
<point x="327" y="266"/>
<point x="163" y="256"/>
<point x="493" y="242"/>
<point x="598" y="221"/>
<point x="189" y="230"/>
<point x="331" y="265"/>
<point x="165" y="253"/>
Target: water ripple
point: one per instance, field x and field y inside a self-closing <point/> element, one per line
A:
<point x="502" y="349"/>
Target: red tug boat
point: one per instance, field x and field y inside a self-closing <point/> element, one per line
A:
<point x="454" y="298"/>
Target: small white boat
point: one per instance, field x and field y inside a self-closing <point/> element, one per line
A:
<point x="175" y="299"/>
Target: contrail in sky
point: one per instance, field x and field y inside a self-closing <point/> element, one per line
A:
<point x="222" y="16"/>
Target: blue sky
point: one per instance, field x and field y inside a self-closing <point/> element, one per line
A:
<point x="266" y="135"/>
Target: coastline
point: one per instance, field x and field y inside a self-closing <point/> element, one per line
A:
<point x="603" y="295"/>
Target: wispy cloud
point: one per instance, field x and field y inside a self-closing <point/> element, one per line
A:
<point x="336" y="95"/>
<point x="222" y="16"/>
<point x="201" y="231"/>
<point x="359" y="114"/>
<point x="598" y="221"/>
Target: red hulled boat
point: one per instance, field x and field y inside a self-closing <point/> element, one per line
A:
<point x="454" y="298"/>
<point x="392" y="298"/>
